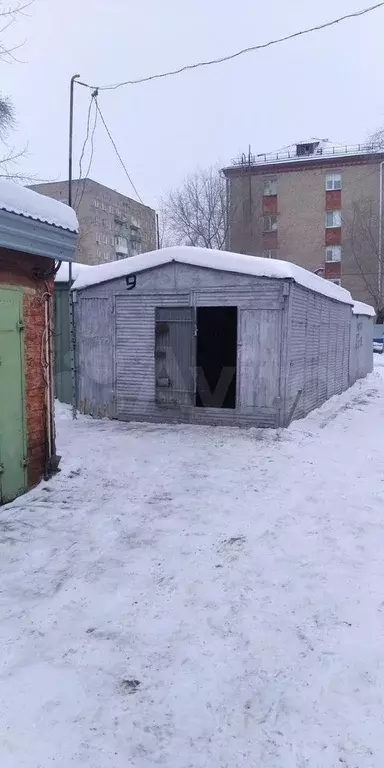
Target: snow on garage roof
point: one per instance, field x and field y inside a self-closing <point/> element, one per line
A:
<point x="220" y="260"/>
<point x="363" y="309"/>
<point x="25" y="202"/>
<point x="62" y="276"/>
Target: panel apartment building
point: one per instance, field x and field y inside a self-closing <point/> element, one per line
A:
<point x="112" y="226"/>
<point x="315" y="205"/>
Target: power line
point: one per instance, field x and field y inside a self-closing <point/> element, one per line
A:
<point x="92" y="140"/>
<point x="243" y="51"/>
<point x="82" y="154"/>
<point x="86" y="137"/>
<point x="117" y="151"/>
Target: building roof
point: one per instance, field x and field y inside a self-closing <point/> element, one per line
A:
<point x="62" y="275"/>
<point x="323" y="155"/>
<point x="31" y="205"/>
<point x="254" y="266"/>
<point x="88" y="181"/>
<point x="363" y="309"/>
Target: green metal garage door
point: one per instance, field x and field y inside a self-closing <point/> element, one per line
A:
<point x="13" y="477"/>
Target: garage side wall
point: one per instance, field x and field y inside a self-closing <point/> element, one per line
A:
<point x="361" y="351"/>
<point x="318" y="351"/>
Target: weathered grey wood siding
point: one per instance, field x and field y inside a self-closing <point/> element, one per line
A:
<point x="259" y="373"/>
<point x="125" y="383"/>
<point x="318" y="351"/>
<point x="294" y="346"/>
<point x="361" y="350"/>
<point x="95" y="336"/>
<point x="135" y="352"/>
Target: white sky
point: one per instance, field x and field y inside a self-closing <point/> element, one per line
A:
<point x="328" y="84"/>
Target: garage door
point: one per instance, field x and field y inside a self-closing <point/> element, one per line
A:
<point x="13" y="478"/>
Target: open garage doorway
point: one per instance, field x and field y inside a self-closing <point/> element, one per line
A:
<point x="216" y="357"/>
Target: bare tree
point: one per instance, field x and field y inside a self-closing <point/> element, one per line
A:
<point x="377" y="139"/>
<point x="10" y="156"/>
<point x="361" y="230"/>
<point x="195" y="214"/>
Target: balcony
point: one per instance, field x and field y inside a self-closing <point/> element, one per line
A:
<point x="122" y="250"/>
<point x="121" y="247"/>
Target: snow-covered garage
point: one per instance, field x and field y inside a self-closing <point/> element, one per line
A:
<point x="361" y="354"/>
<point x="187" y="334"/>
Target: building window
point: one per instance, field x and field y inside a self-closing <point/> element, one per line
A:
<point x="270" y="223"/>
<point x="96" y="203"/>
<point x="333" y="219"/>
<point x="270" y="253"/>
<point x="103" y="206"/>
<point x="98" y="237"/>
<point x="335" y="280"/>
<point x="270" y="187"/>
<point x="333" y="253"/>
<point x="97" y="220"/>
<point x="105" y="239"/>
<point x="135" y="240"/>
<point x="332" y="181"/>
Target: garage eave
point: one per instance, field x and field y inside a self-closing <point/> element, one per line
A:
<point x="19" y="233"/>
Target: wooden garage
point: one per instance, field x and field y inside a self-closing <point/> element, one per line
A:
<point x="187" y="334"/>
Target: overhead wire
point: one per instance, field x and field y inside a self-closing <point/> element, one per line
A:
<point x="83" y="149"/>
<point x="116" y="150"/>
<point x="90" y="136"/>
<point x="242" y="52"/>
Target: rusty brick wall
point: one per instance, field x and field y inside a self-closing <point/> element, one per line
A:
<point x="20" y="270"/>
<point x="332" y="270"/>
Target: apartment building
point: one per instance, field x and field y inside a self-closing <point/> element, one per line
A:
<point x="315" y="205"/>
<point x="112" y="226"/>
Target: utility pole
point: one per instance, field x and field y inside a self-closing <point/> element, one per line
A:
<point x="380" y="275"/>
<point x="157" y="232"/>
<point x="70" y="280"/>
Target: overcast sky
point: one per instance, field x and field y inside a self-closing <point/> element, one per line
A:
<point x="328" y="84"/>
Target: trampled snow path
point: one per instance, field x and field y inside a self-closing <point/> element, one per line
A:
<point x="192" y="597"/>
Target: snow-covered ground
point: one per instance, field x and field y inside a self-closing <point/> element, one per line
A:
<point x="191" y="597"/>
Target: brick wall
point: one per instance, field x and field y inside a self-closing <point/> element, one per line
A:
<point x="302" y="203"/>
<point x="23" y="270"/>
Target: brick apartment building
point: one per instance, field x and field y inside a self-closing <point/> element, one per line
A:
<point x="315" y="205"/>
<point x="112" y="226"/>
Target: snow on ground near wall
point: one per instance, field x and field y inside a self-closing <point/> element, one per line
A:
<point x="193" y="597"/>
<point x="221" y="260"/>
<point x="26" y="202"/>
